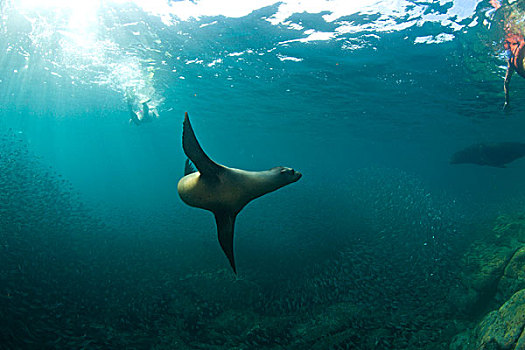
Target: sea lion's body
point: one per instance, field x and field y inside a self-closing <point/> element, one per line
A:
<point x="233" y="191"/>
<point x="490" y="154"/>
<point x="222" y="190"/>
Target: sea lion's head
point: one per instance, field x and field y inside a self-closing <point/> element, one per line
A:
<point x="286" y="175"/>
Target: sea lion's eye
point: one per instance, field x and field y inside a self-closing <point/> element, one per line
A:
<point x="292" y="171"/>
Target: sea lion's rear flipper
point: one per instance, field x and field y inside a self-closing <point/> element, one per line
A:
<point x="225" y="225"/>
<point x="188" y="168"/>
<point x="192" y="149"/>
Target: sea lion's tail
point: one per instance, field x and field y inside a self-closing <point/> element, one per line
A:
<point x="225" y="226"/>
<point x="188" y="168"/>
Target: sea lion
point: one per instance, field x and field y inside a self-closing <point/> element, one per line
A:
<point x="224" y="191"/>
<point x="490" y="154"/>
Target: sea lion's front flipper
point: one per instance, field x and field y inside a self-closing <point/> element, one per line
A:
<point x="192" y="149"/>
<point x="225" y="225"/>
<point x="188" y="168"/>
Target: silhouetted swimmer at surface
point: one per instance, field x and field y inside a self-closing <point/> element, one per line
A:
<point x="141" y="117"/>
<point x="515" y="51"/>
<point x="512" y="20"/>
<point x="133" y="116"/>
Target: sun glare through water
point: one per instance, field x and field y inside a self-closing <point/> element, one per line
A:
<point x="72" y="37"/>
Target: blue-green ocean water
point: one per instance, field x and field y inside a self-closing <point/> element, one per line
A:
<point x="368" y="99"/>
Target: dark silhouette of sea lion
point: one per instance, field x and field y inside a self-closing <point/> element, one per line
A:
<point x="490" y="154"/>
<point x="224" y="191"/>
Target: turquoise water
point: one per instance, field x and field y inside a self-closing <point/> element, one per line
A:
<point x="367" y="99"/>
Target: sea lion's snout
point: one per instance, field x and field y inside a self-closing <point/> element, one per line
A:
<point x="290" y="174"/>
